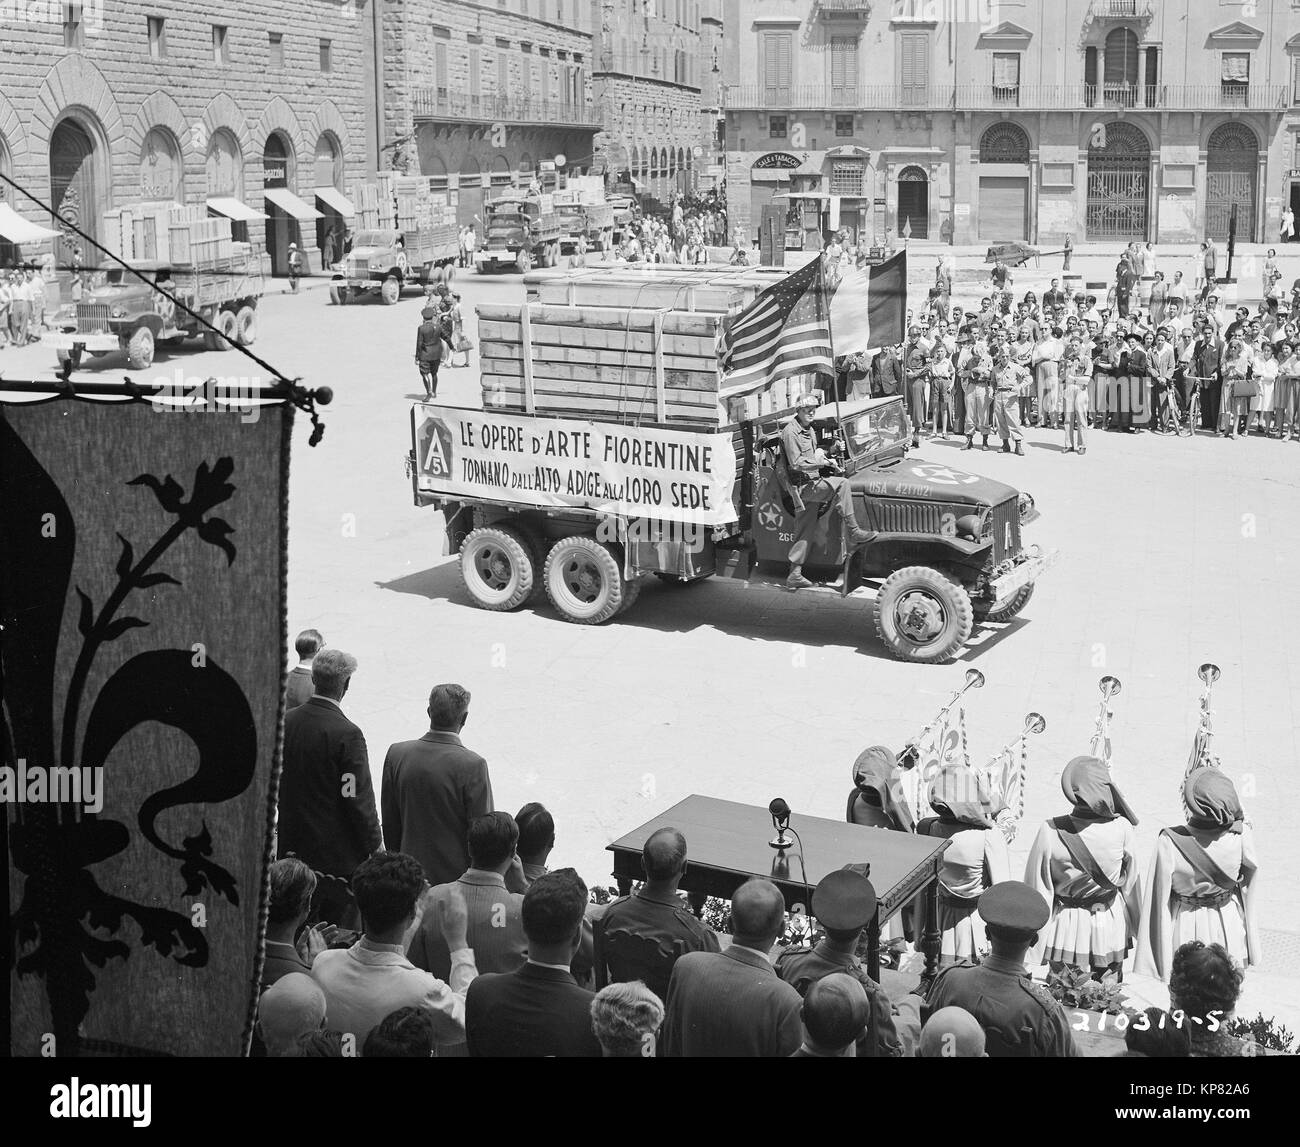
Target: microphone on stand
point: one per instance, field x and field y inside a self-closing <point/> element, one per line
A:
<point x="781" y="821"/>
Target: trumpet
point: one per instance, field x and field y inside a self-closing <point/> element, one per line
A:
<point x="1011" y="783"/>
<point x="1200" y="756"/>
<point x="1035" y="723"/>
<point x="1110" y="687"/>
<point x="907" y="757"/>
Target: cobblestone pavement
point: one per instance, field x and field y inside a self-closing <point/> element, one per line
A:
<point x="1175" y="552"/>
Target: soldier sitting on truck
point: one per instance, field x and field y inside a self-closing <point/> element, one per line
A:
<point x="812" y="494"/>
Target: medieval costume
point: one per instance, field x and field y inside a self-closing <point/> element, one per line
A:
<point x="1202" y="879"/>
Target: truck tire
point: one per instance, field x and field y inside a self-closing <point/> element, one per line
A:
<point x="498" y="568"/>
<point x="337" y="292"/>
<point x="139" y="349"/>
<point x="246" y="326"/>
<point x="631" y="592"/>
<point x="228" y="325"/>
<point x="439" y="275"/>
<point x="524" y="262"/>
<point x="73" y="356"/>
<point x="923" y="614"/>
<point x="391" y="290"/>
<point x="584" y="580"/>
<point x="1005" y="610"/>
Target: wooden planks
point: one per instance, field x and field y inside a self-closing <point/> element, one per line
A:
<point x="606" y="376"/>
<point x="603" y="409"/>
<point x="557" y="335"/>
<point x="599" y="356"/>
<point x="608" y="318"/>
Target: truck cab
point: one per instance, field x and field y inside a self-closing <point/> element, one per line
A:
<point x="111" y="314"/>
<point x="515" y="233"/>
<point x="378" y="254"/>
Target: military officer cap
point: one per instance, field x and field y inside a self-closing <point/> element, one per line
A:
<point x="844" y="901"/>
<point x="1012" y="904"/>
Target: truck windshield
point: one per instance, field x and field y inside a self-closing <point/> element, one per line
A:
<point x="874" y="430"/>
<point x="373" y="239"/>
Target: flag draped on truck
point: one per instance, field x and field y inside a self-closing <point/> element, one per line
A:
<point x="785" y="331"/>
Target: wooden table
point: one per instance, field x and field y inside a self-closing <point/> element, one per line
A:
<point x="727" y="843"/>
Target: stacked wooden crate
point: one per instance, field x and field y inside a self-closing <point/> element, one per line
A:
<point x="201" y="240"/>
<point x="139" y="231"/>
<point x="366" y="200"/>
<point x="611" y="364"/>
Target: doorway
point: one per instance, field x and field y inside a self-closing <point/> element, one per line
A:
<point x="913" y="204"/>
<point x="73" y="187"/>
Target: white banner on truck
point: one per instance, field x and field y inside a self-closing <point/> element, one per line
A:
<point x="633" y="471"/>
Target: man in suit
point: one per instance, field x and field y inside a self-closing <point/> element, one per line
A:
<point x="538" y="1010"/>
<point x="656" y="911"/>
<point x="734" y="1003"/>
<point x="536" y="839"/>
<point x="496" y="928"/>
<point x="433" y="787"/>
<point x="327" y="802"/>
<point x="299" y="689"/>
<point x="835" y="1011"/>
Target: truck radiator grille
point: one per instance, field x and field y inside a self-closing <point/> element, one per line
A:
<point x="906" y="517"/>
<point x="1007" y="514"/>
<point x="92" y="318"/>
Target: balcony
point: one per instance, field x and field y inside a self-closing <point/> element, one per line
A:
<point x="831" y="8"/>
<point x="1027" y="97"/>
<point x="434" y="104"/>
<point x="1119" y="10"/>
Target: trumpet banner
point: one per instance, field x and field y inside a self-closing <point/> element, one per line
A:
<point x="940" y="748"/>
<point x="144" y="627"/>
<point x="1007" y="779"/>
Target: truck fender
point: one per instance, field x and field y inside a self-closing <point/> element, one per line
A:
<point x="153" y="321"/>
<point x="460" y="521"/>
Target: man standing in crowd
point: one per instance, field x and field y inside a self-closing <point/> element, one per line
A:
<point x="1007" y="381"/>
<point x="844" y="903"/>
<point x="975" y="370"/>
<point x="429" y="350"/>
<point x="538" y="1010"/>
<point x="327" y="802"/>
<point x="733" y="1003"/>
<point x="299" y="689"/>
<point x="1020" y="1019"/>
<point x="433" y="787"/>
<point x="835" y="1011"/>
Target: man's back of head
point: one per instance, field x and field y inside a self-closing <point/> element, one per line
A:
<point x="757" y="914"/>
<point x="835" y="1010"/>
<point x="407" y="1033"/>
<point x="331" y="673"/>
<point x="553" y="910"/>
<point x="664" y="856"/>
<point x="492" y="839"/>
<point x="536" y="832"/>
<point x="951" y="1033"/>
<point x="387" y="886"/>
<point x="294" y="1005"/>
<point x="308" y="643"/>
<point x="448" y="708"/>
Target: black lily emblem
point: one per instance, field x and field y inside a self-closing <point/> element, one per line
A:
<point x="65" y="924"/>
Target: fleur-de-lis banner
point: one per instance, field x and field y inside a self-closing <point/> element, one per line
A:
<point x="142" y="571"/>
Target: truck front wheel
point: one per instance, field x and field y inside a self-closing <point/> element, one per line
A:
<point x="584" y="580"/>
<point x="524" y="262"/>
<point x="1006" y="610"/>
<point x="497" y="567"/>
<point x="391" y="290"/>
<point x="228" y="325"/>
<point x="922" y="614"/>
<point x="139" y="349"/>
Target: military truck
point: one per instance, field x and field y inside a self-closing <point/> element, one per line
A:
<point x="949" y="550"/>
<point x="388" y="260"/>
<point x="518" y="232"/>
<point x="123" y="313"/>
<point x="595" y="221"/>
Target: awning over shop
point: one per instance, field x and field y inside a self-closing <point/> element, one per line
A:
<point x="291" y="205"/>
<point x="18" y="230"/>
<point x="334" y="199"/>
<point x="234" y="209"/>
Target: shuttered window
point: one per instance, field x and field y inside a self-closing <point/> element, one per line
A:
<point x="777" y="50"/>
<point x="503" y="75"/>
<point x="914" y="66"/>
<point x="844" y="70"/>
<point x="440" y="69"/>
<point x="846" y="178"/>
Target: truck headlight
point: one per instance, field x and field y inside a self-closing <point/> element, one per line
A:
<point x="1026" y="506"/>
<point x="116" y="311"/>
<point x="969" y="526"/>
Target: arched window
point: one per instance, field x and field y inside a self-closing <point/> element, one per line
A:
<point x="162" y="174"/>
<point x="1004" y="142"/>
<point x="329" y="161"/>
<point x="224" y="165"/>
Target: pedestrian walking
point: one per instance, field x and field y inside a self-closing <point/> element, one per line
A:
<point x="295" y="267"/>
<point x="1287" y="232"/>
<point x="429" y="350"/>
<point x="1074" y="393"/>
<point x="461" y="343"/>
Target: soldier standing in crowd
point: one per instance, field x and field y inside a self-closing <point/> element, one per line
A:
<point x="975" y="367"/>
<point x="1008" y="378"/>
<point x="428" y="350"/>
<point x="916" y="369"/>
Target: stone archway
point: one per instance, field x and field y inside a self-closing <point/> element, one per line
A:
<point x="1231" y="174"/>
<point x="913" y="203"/>
<point x="1119" y="178"/>
<point x="78" y="190"/>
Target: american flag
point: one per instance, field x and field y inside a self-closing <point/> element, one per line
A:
<point x="785" y="331"/>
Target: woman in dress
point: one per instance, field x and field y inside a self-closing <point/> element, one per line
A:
<point x="1085" y="866"/>
<point x="1261" y="405"/>
<point x="461" y="343"/>
<point x="1158" y="295"/>
<point x="1288" y="388"/>
<point x="1202" y="879"/>
<point x="1238" y="387"/>
<point x="975" y="859"/>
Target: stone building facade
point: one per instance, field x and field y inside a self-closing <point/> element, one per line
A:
<point x="1104" y="120"/>
<point x="486" y="95"/>
<point x="107" y="104"/>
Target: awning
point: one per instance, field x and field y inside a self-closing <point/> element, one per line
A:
<point x="18" y="230"/>
<point x="333" y="198"/>
<point x="291" y="205"/>
<point x="234" y="209"/>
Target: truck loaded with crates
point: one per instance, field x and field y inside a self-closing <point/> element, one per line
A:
<point x="584" y="213"/>
<point x="519" y="231"/>
<point x="406" y="236"/>
<point x="608" y="449"/>
<point x="190" y="256"/>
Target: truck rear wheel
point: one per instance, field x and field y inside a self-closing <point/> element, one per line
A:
<point x="391" y="290"/>
<point x="228" y="325"/>
<point x="922" y="614"/>
<point x="1005" y="610"/>
<point x="497" y="567"/>
<point x="246" y="326"/>
<point x="139" y="349"/>
<point x="584" y="580"/>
